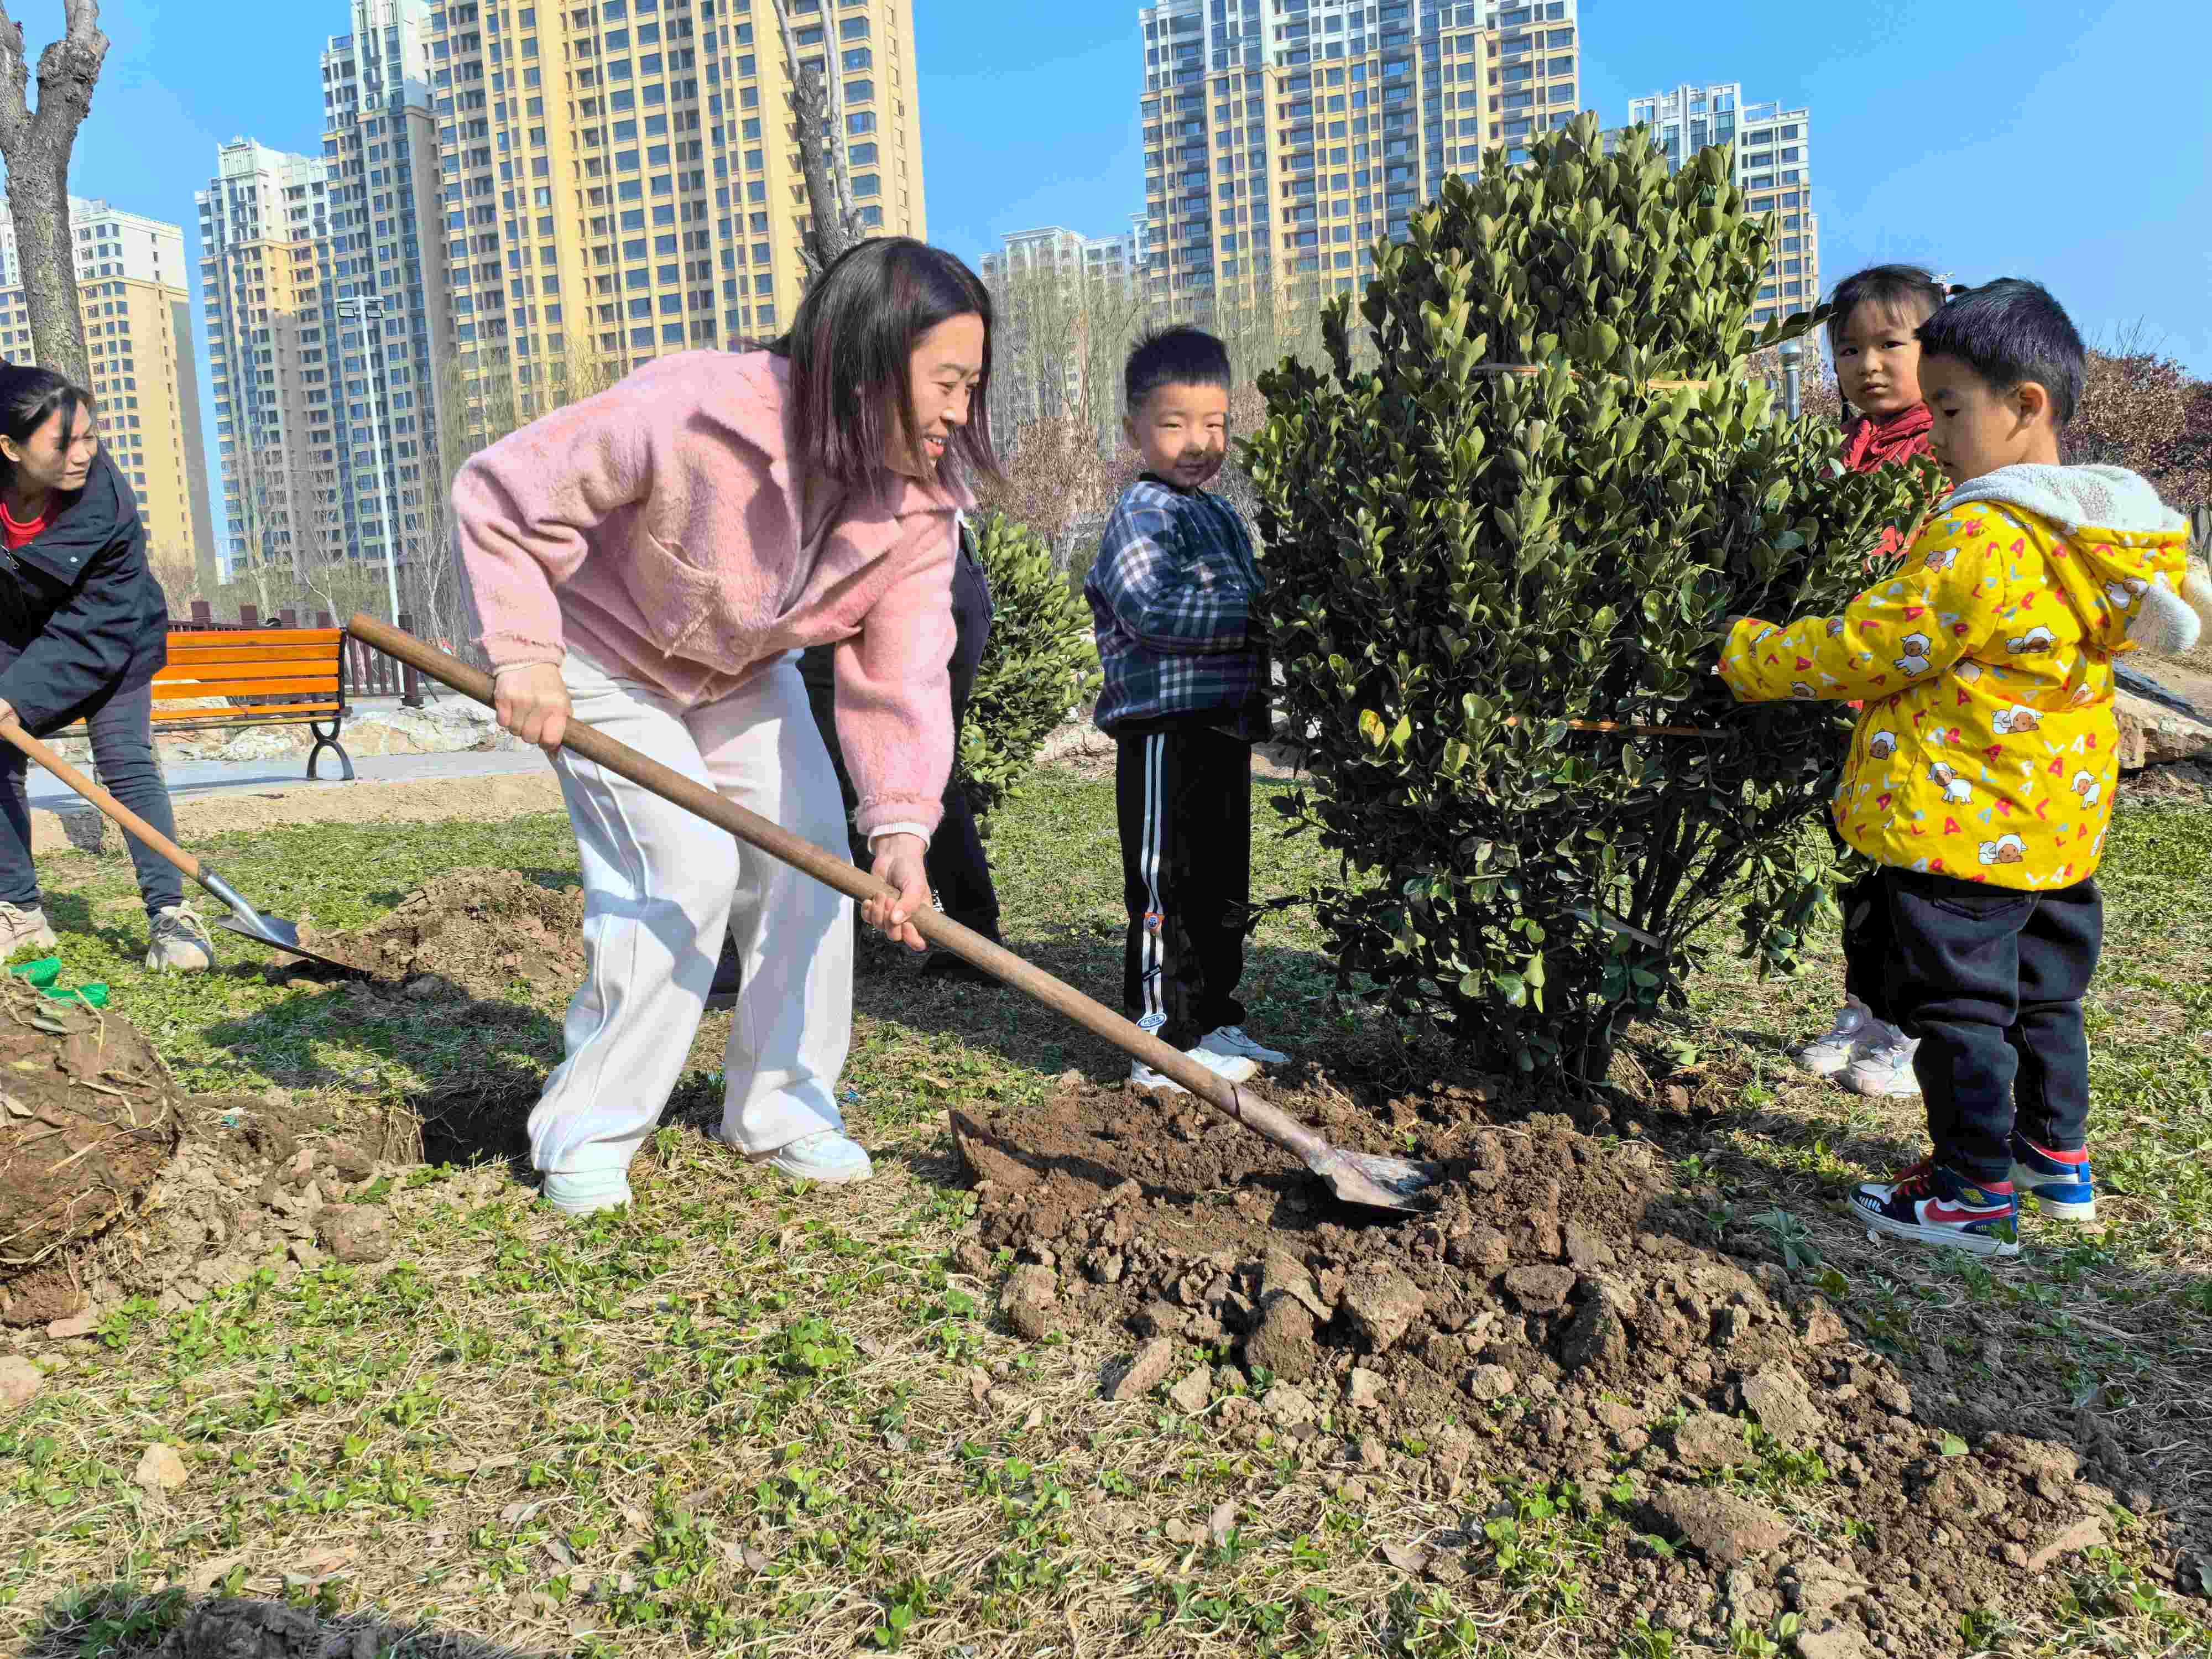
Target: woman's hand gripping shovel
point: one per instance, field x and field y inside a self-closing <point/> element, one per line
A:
<point x="273" y="930"/>
<point x="1379" y="1182"/>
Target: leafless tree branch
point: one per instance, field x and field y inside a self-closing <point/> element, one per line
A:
<point x="36" y="147"/>
<point x="834" y="226"/>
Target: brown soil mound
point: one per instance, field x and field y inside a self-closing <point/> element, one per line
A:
<point x="481" y="931"/>
<point x="87" y="1119"/>
<point x="1550" y="1320"/>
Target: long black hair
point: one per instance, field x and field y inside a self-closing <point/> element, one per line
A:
<point x="850" y="347"/>
<point x="29" y="397"/>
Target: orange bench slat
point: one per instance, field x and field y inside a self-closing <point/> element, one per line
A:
<point x="212" y="673"/>
<point x="234" y="638"/>
<point x="194" y="658"/>
<point x="176" y="690"/>
<point x="269" y="714"/>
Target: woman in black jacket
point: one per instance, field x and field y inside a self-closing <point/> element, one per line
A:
<point x="83" y="630"/>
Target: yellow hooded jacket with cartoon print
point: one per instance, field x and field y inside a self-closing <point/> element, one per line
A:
<point x="1987" y="748"/>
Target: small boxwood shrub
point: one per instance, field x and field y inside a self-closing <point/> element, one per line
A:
<point x="1501" y="524"/>
<point x="1040" y="664"/>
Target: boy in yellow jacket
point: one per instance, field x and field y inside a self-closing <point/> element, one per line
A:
<point x="1982" y="774"/>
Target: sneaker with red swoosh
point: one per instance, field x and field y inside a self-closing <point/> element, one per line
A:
<point x="1931" y="1204"/>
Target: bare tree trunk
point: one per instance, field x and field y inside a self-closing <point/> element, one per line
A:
<point x="835" y="225"/>
<point x="36" y="148"/>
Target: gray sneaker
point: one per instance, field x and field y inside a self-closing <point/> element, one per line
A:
<point x="179" y="943"/>
<point x="23" y="926"/>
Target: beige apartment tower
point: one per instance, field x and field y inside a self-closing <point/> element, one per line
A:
<point x="621" y="178"/>
<point x="264" y="234"/>
<point x="135" y="297"/>
<point x="1283" y="138"/>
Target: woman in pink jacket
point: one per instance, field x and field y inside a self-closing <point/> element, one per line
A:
<point x="651" y="561"/>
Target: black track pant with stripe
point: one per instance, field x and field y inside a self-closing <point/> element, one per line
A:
<point x="1185" y="799"/>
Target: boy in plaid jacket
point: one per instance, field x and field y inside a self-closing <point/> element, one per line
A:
<point x="1174" y="593"/>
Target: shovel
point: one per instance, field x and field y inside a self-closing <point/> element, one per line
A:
<point x="1364" y="1178"/>
<point x="243" y="917"/>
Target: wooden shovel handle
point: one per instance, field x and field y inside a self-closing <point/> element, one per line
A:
<point x="12" y="730"/>
<point x="804" y="856"/>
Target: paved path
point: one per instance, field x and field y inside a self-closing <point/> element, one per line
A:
<point x="198" y="779"/>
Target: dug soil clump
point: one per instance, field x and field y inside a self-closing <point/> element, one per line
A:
<point x="483" y="931"/>
<point x="1550" y="1332"/>
<point x="88" y="1117"/>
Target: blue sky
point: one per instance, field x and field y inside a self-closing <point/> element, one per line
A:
<point x="1976" y="135"/>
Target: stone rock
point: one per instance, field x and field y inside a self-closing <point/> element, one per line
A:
<point x="1706" y="1440"/>
<point x="1374" y="1457"/>
<point x="2084" y="1534"/>
<point x="1489" y="1383"/>
<point x="1380" y="1308"/>
<point x="1364" y="1389"/>
<point x="1282" y="1341"/>
<point x="19" y="1383"/>
<point x="82" y="1324"/>
<point x="2152" y="734"/>
<point x="162" y="1469"/>
<point x="1540" y="1290"/>
<point x="1595" y="1336"/>
<point x="349" y="1161"/>
<point x="1144" y="1372"/>
<point x="1837" y="1642"/>
<point x="1894" y="1397"/>
<point x="1820" y="1325"/>
<point x="1483" y="1250"/>
<point x="1776" y="1396"/>
<point x="1287" y="1406"/>
<point x="1191" y="1394"/>
<point x="1282" y="1273"/>
<point x="1028" y="1299"/>
<point x="1727" y="1530"/>
<point x="1816" y="1589"/>
<point x="354" y="1232"/>
<point x="1584" y="1248"/>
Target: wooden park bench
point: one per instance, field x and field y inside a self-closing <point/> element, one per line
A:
<point x="267" y="676"/>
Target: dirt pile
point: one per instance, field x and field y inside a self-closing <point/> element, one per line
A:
<point x="88" y="1120"/>
<point x="479" y="931"/>
<point x="1552" y="1320"/>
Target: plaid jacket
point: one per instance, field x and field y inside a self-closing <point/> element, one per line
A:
<point x="1175" y="594"/>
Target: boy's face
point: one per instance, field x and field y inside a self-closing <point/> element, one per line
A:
<point x="1980" y="429"/>
<point x="1878" y="359"/>
<point x="1182" y="432"/>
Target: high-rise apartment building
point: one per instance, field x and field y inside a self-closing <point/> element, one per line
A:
<point x="1773" y="168"/>
<point x="384" y="299"/>
<point x="135" y="298"/>
<point x="265" y="240"/>
<point x="1055" y="249"/>
<point x="1284" y="137"/>
<point x="621" y="178"/>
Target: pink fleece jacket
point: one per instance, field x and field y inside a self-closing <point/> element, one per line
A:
<point x="657" y="527"/>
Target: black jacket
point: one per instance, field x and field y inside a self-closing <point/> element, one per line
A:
<point x="81" y="617"/>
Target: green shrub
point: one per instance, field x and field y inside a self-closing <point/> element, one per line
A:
<point x="1464" y="564"/>
<point x="1040" y="661"/>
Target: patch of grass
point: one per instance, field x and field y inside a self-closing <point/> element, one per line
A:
<point x="742" y="1419"/>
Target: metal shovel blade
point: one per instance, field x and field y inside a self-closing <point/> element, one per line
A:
<point x="273" y="930"/>
<point x="1377" y="1181"/>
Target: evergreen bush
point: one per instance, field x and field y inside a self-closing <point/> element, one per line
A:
<point x="1040" y="664"/>
<point x="1504" y="525"/>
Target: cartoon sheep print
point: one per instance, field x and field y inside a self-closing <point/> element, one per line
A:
<point x="1987" y="741"/>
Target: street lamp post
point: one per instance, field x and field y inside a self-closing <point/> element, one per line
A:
<point x="1793" y="353"/>
<point x="369" y="312"/>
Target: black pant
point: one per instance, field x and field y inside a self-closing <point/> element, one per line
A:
<point x="1867" y="943"/>
<point x="123" y="758"/>
<point x="1991" y="982"/>
<point x="1185" y="801"/>
<point x="959" y="872"/>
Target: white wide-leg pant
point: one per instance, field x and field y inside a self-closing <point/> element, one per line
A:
<point x="661" y="886"/>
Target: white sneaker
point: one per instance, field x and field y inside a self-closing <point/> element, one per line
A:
<point x="1231" y="1040"/>
<point x="586" y="1192"/>
<point x="1825" y="1056"/>
<point x="1229" y="1067"/>
<point x="1883" y="1067"/>
<point x="179" y="943"/>
<point x="824" y="1156"/>
<point x="23" y="926"/>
